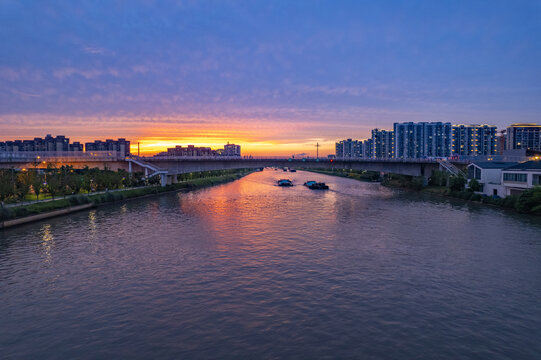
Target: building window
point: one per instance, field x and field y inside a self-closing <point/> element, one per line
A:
<point x="512" y="177"/>
<point x="536" y="179"/>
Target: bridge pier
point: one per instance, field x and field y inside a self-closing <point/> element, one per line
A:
<point x="130" y="169"/>
<point x="166" y="179"/>
<point x="163" y="180"/>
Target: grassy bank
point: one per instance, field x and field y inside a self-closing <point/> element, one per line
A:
<point x="109" y="197"/>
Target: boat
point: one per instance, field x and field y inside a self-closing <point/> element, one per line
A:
<point x="311" y="182"/>
<point x="285" y="169"/>
<point x="319" y="186"/>
<point x="292" y="170"/>
<point x="285" y="182"/>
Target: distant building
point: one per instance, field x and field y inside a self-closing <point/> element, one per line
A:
<point x="474" y="140"/>
<point x="189" y="150"/>
<point x="121" y="146"/>
<point x="422" y="140"/>
<point x="349" y="149"/>
<point x="231" y="150"/>
<point x="59" y="143"/>
<point x="382" y="144"/>
<point x="524" y="136"/>
<point x="367" y="148"/>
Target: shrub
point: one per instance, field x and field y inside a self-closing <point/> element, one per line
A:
<point x="474" y="185"/>
<point x="456" y="183"/>
<point x="509" y="201"/>
<point x="417" y="183"/>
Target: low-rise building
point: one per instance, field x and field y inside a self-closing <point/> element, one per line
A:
<point x="489" y="175"/>
<point x="520" y="177"/>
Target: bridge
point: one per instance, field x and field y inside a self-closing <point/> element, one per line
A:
<point x="168" y="167"/>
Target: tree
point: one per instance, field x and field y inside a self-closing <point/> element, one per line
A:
<point x="7" y="188"/>
<point x="529" y="201"/>
<point x="474" y="185"/>
<point x="37" y="184"/>
<point x="456" y="183"/>
<point x="53" y="184"/>
<point x="438" y="178"/>
<point x="22" y="186"/>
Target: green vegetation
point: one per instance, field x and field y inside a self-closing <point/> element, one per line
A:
<point x="352" y="174"/>
<point x="442" y="183"/>
<point x="99" y="181"/>
<point x="403" y="181"/>
<point x="528" y="202"/>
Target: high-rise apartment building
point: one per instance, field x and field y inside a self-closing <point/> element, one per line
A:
<point x="382" y="144"/>
<point x="423" y="139"/>
<point x="473" y="140"/>
<point x="368" y="148"/>
<point x="524" y="136"/>
<point x="349" y="149"/>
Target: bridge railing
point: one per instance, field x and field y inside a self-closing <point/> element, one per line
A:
<point x="278" y="158"/>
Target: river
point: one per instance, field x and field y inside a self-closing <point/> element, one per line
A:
<point x="252" y="270"/>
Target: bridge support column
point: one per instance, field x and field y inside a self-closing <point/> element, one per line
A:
<point x="146" y="172"/>
<point x="174" y="179"/>
<point x="163" y="179"/>
<point x="130" y="170"/>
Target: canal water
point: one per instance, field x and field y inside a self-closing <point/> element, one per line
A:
<point x="250" y="270"/>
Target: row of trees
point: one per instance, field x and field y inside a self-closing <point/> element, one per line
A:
<point x="17" y="185"/>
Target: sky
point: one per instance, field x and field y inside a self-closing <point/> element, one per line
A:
<point x="276" y="77"/>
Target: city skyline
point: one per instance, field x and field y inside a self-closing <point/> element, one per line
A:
<point x="277" y="78"/>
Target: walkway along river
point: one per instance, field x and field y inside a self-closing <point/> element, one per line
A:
<point x="252" y="270"/>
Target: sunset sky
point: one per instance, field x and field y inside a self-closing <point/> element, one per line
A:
<point x="273" y="76"/>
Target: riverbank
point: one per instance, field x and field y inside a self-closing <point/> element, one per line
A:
<point x="529" y="202"/>
<point x="38" y="211"/>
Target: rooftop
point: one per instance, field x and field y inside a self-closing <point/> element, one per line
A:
<point x="494" y="164"/>
<point x="528" y="165"/>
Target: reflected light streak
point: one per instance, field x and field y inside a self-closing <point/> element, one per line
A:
<point x="47" y="240"/>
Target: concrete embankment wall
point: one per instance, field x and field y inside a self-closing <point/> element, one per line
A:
<point x="50" y="214"/>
